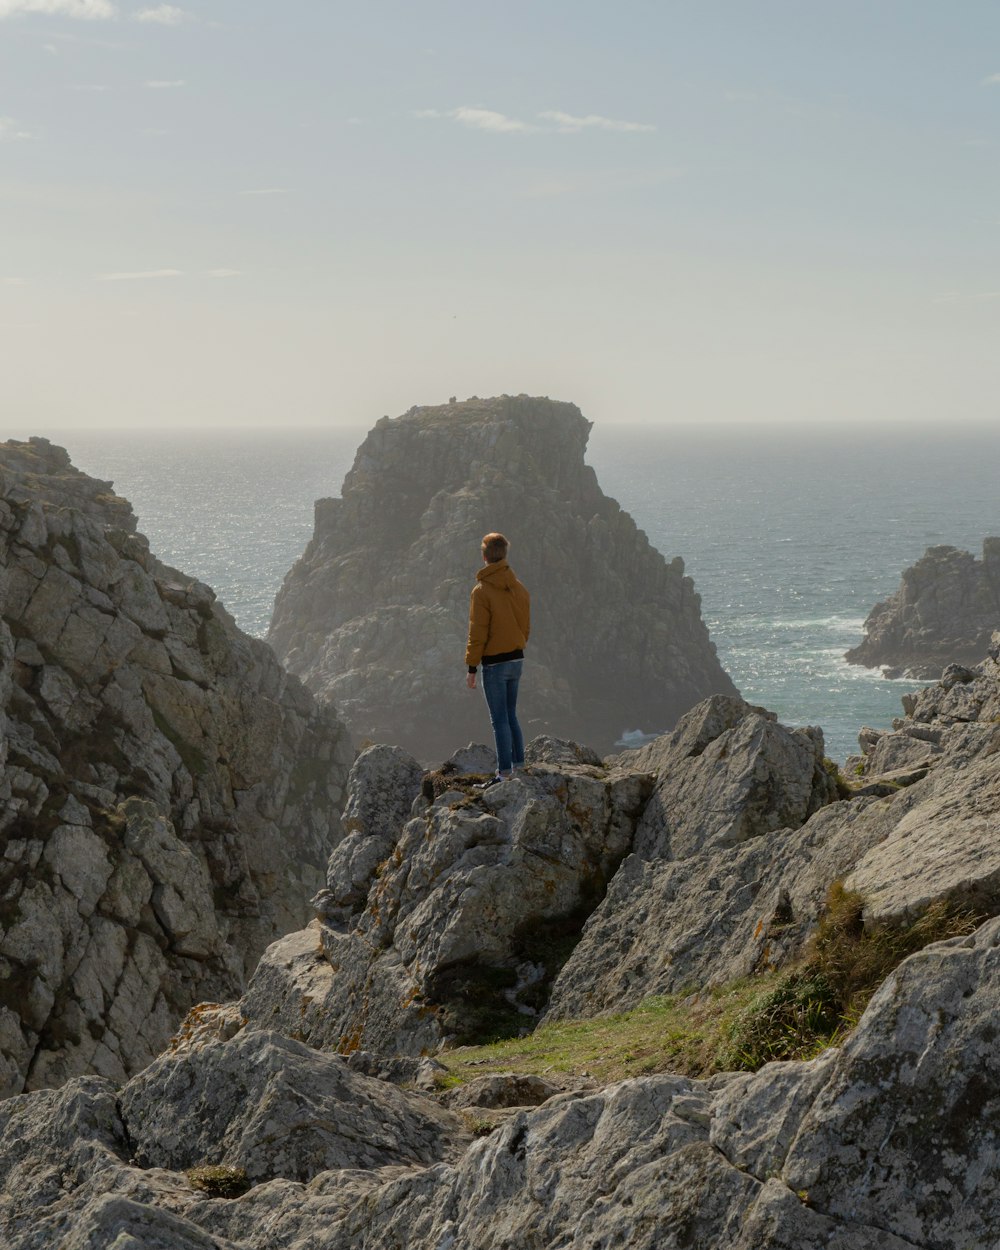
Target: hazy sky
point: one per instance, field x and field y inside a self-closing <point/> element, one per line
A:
<point x="230" y="212"/>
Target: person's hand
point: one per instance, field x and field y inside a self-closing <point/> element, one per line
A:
<point x="470" y="680"/>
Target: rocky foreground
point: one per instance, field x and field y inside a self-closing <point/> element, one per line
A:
<point x="168" y="794"/>
<point x="944" y="612"/>
<point x="705" y="856"/>
<point x="373" y="617"/>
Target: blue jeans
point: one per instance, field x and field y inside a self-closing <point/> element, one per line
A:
<point x="500" y="683"/>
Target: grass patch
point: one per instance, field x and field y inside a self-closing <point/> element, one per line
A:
<point x="793" y="1013"/>
<point x="674" y="1033"/>
<point x="219" y="1181"/>
<point x="843" y="787"/>
<point x="816" y="1003"/>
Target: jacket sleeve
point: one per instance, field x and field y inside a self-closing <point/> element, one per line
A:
<point x="523" y="612"/>
<point x="479" y="628"/>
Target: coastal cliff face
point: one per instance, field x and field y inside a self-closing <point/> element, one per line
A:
<point x="169" y="795"/>
<point x="944" y="612"/>
<point x="373" y="617"/>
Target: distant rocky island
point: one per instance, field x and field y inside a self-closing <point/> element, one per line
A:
<point x="944" y="612"/>
<point x="796" y="966"/>
<point x="373" y="616"/>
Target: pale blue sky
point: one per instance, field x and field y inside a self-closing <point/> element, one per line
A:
<point x="703" y="211"/>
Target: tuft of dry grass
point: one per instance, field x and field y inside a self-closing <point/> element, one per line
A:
<point x="219" y="1181"/>
<point x="793" y="1013"/>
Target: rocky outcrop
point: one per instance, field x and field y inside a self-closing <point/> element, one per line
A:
<point x="944" y="612"/>
<point x="732" y="786"/>
<point x="373" y="617"/>
<point x="448" y="909"/>
<point x="169" y="795"/>
<point x="726" y="909"/>
<point x="888" y="1141"/>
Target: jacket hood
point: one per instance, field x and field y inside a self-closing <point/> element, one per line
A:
<point x="500" y="575"/>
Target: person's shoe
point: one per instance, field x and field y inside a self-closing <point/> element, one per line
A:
<point x="492" y="781"/>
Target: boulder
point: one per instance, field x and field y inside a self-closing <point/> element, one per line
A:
<point x="275" y="1108"/>
<point x="727" y="773"/>
<point x="382" y="787"/>
<point x="374" y="615"/>
<point x="170" y="796"/>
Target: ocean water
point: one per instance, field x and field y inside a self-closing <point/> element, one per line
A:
<point x="791" y="536"/>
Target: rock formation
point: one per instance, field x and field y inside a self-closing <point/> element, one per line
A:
<point x="944" y="612"/>
<point x="443" y="911"/>
<point x="373" y="617"/>
<point x="583" y="885"/>
<point x="920" y="827"/>
<point x="169" y="795"/>
<point x="887" y="1141"/>
<point x="736" y="832"/>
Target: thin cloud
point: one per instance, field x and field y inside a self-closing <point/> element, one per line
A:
<point x="480" y="119"/>
<point x="224" y="273"/>
<point x="139" y="274"/>
<point x="567" y="123"/>
<point x="550" y="121"/>
<point x="992" y="81"/>
<point x="164" y="84"/>
<point x="86" y="10"/>
<point x="162" y="15"/>
<point x="11" y="131"/>
<point x="487" y="119"/>
<point x="267" y="191"/>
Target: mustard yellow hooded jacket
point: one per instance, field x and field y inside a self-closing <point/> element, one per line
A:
<point x="499" y="615"/>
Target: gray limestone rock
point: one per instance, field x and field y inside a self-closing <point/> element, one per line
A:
<point x="943" y="614"/>
<point x="381" y="789"/>
<point x="888" y="1141"/>
<point x="927" y="833"/>
<point x="374" y="615"/>
<point x="276" y="1108"/>
<point x="727" y="773"/>
<point x="503" y="1089"/>
<point x="903" y="1133"/>
<point x="168" y="795"/>
<point x="461" y="917"/>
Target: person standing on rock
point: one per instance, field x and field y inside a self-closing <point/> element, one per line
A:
<point x="499" y="624"/>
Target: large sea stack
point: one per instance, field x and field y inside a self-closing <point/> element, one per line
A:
<point x="373" y="616"/>
<point x="944" y="612"/>
<point x="168" y="794"/>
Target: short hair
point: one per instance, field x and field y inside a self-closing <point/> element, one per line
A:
<point x="494" y="548"/>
